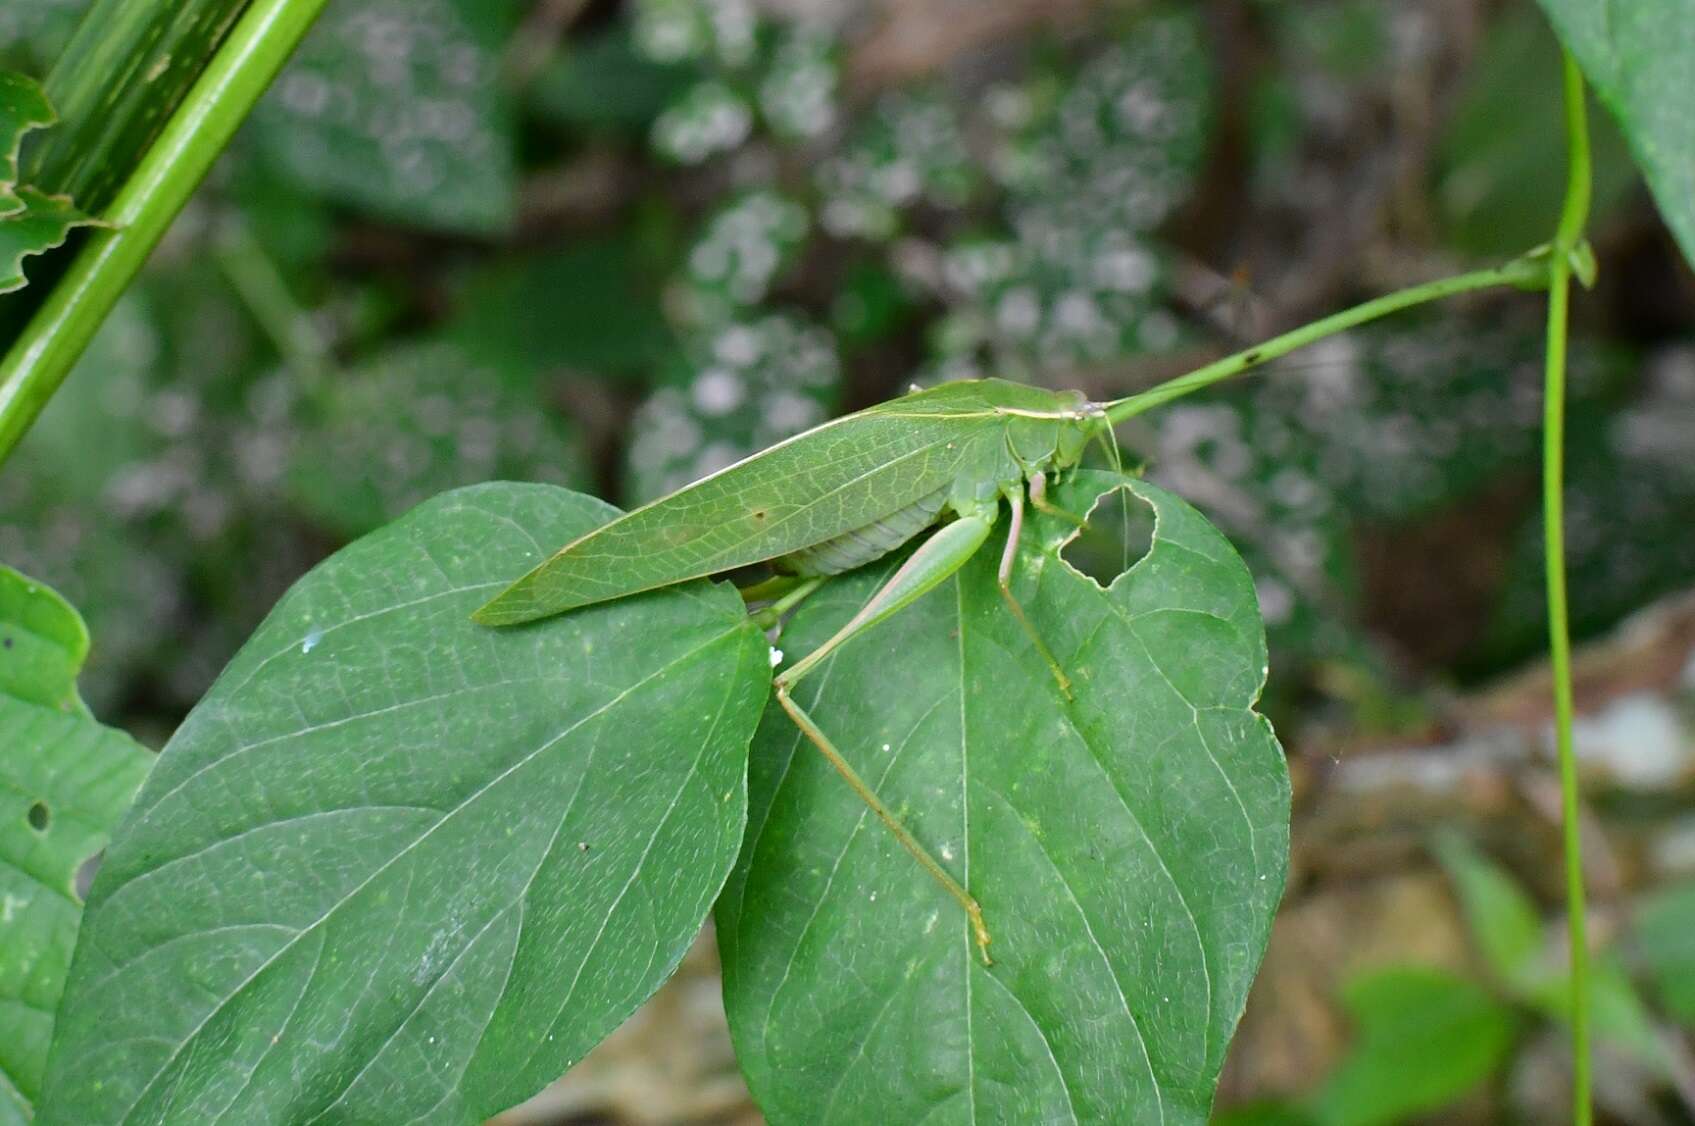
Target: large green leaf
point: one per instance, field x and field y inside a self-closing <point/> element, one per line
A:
<point x="397" y="867"/>
<point x="1128" y="849"/>
<point x="1640" y="55"/>
<point x="64" y="782"/>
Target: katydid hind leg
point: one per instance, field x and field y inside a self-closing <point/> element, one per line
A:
<point x="815" y="734"/>
<point x="1015" y="497"/>
<point x="933" y="563"/>
<point x="936" y="560"/>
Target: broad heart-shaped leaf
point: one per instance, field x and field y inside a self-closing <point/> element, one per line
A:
<point x="1128" y="849"/>
<point x="64" y="782"/>
<point x="1640" y="56"/>
<point x="397" y="867"/>
<point x="43" y="224"/>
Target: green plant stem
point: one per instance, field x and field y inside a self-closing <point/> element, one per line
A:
<point x="55" y="337"/>
<point x="1522" y="272"/>
<point x="1572" y="218"/>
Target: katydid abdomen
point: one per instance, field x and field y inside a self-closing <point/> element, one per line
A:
<point x="860" y="546"/>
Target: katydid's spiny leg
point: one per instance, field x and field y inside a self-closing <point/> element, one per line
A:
<point x="938" y="558"/>
<point x="1015" y="497"/>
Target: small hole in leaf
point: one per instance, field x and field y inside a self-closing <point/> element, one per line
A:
<point x="1120" y="533"/>
<point x="6" y="641"/>
<point x="39" y="816"/>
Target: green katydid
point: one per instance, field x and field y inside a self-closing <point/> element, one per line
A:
<point x="851" y="491"/>
<point x="835" y="498"/>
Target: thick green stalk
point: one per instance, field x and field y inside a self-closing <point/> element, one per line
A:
<point x="1527" y="271"/>
<point x="1566" y="240"/>
<point x="55" y="337"/>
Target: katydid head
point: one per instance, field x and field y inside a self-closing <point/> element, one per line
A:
<point x="1075" y="437"/>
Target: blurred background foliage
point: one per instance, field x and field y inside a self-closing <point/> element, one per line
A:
<point x="618" y="245"/>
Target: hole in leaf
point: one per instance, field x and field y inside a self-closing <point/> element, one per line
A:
<point x="1120" y="533"/>
<point x="39" y="816"/>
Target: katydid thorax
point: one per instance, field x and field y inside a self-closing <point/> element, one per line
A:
<point x="836" y="498"/>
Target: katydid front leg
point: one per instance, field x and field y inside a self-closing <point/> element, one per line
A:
<point x="940" y="557"/>
<point x="1040" y="502"/>
<point x="1015" y="498"/>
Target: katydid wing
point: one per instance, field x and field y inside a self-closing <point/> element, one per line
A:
<point x="968" y="440"/>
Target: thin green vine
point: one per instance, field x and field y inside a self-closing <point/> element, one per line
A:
<point x="1529" y="271"/>
<point x="1566" y="249"/>
<point x="56" y="336"/>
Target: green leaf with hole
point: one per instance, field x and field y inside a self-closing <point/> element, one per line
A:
<point x="1422" y="1039"/>
<point x="399" y="867"/>
<point x="1128" y="849"/>
<point x="1640" y="56"/>
<point x="64" y="782"/>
